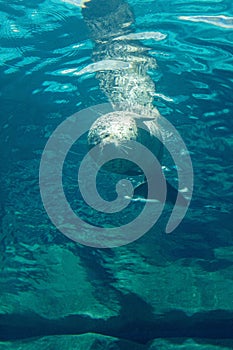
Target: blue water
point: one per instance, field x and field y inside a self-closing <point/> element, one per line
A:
<point x="43" y="44"/>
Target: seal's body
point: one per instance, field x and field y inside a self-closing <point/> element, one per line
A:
<point x="121" y="66"/>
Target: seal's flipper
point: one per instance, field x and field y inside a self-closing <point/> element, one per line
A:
<point x="172" y="193"/>
<point x="141" y="190"/>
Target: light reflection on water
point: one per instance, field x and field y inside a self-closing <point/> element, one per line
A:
<point x="219" y="21"/>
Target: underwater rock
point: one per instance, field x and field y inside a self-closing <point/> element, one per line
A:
<point x="73" y="342"/>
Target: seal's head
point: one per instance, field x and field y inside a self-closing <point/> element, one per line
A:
<point x="119" y="128"/>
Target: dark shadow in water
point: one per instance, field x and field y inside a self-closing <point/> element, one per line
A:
<point x="136" y="322"/>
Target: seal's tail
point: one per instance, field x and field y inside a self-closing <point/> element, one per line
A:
<point x="141" y="192"/>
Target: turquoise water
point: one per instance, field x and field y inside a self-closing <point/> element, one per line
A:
<point x="185" y="276"/>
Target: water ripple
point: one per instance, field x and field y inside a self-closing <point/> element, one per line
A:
<point x="31" y="32"/>
<point x="219" y="21"/>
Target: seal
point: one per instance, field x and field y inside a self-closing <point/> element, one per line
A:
<point x="120" y="128"/>
<point x="121" y="64"/>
